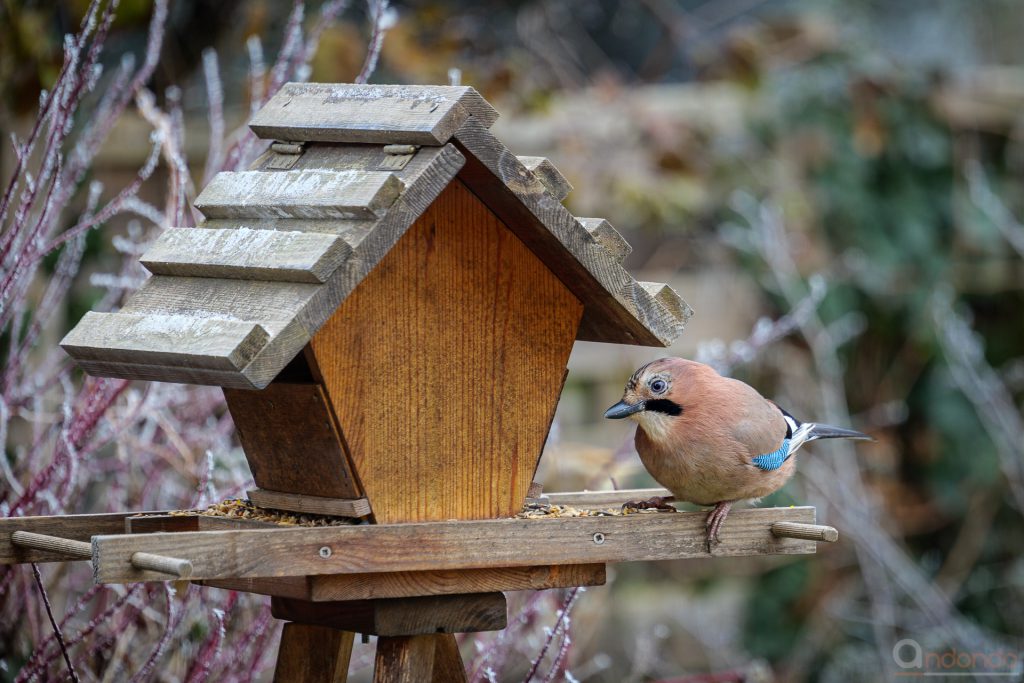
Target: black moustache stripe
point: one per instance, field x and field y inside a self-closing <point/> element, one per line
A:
<point x="663" y="405"/>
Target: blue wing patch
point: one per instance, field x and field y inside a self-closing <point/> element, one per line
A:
<point x="773" y="460"/>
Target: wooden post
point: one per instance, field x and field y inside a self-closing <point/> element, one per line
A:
<point x="417" y="659"/>
<point x="313" y="654"/>
<point x="404" y="659"/>
<point x="415" y="635"/>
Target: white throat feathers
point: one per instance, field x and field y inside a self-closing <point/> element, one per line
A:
<point x="655" y="424"/>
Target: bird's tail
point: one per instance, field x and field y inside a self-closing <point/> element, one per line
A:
<point x="811" y="431"/>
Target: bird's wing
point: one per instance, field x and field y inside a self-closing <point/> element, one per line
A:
<point x="756" y="422"/>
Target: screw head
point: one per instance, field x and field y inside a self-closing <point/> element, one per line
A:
<point x="325" y="552"/>
<point x="598" y="538"/>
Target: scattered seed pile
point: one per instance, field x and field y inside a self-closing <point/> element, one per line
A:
<point x="239" y="508"/>
<point x="539" y="510"/>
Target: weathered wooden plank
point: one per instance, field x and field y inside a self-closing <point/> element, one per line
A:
<point x="600" y="499"/>
<point x="293" y="446"/>
<point x="552" y="178"/>
<point x="469" y="613"/>
<point x="618" y="309"/>
<point x="271" y="304"/>
<point x="384" y="114"/>
<point x="351" y="230"/>
<point x="276" y="306"/>
<point x="406" y="584"/>
<point x="405" y="659"/>
<point x="288" y="311"/>
<point x="438" y="546"/>
<point x="75" y="527"/>
<point x="608" y="237"/>
<point x="306" y="193"/>
<point x="246" y="254"/>
<point x="316" y="505"/>
<point x="313" y="654"/>
<point x="472" y="301"/>
<point x="668" y="298"/>
<point x="296" y="587"/>
<point x="329" y="588"/>
<point x="179" y="340"/>
<point x="165" y="373"/>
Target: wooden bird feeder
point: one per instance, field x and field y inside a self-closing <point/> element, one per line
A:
<point x="388" y="297"/>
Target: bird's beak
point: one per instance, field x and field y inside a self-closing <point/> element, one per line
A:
<point x="623" y="409"/>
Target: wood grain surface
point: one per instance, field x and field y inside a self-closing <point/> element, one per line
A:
<point x="467" y="613"/>
<point x="246" y="254"/>
<point x="75" y="527"/>
<point x="326" y="588"/>
<point x="291" y="441"/>
<point x="436" y="546"/>
<point x="315" y="505"/>
<point x="304" y="193"/>
<point x="313" y="654"/>
<point x="405" y="659"/>
<point x="184" y="340"/>
<point x="444" y="365"/>
<point x="546" y="172"/>
<point x="384" y="114"/>
<point x="608" y="237"/>
<point x="618" y="309"/>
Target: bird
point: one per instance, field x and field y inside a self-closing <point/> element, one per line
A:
<point x="712" y="440"/>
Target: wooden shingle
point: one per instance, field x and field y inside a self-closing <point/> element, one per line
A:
<point x="412" y="114"/>
<point x="281" y="250"/>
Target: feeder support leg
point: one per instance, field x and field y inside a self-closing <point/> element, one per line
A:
<point x="311" y="654"/>
<point x="417" y="659"/>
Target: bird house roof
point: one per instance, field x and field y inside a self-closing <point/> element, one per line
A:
<point x="234" y="300"/>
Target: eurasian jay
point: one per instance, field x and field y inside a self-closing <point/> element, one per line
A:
<point x="712" y="440"/>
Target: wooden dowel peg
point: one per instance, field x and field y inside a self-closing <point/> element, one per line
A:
<point x="75" y="550"/>
<point x="163" y="564"/>
<point x="808" y="532"/>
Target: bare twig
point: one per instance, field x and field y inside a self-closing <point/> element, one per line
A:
<point x="53" y="622"/>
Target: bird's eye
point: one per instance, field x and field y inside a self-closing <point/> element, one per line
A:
<point x="658" y="386"/>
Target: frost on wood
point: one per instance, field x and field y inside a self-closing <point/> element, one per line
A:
<point x="423" y="115"/>
<point x="245" y="253"/>
<point x="299" y="194"/>
<point x="190" y="340"/>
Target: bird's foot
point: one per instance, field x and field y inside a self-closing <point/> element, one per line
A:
<point x="655" y="503"/>
<point x="714" y="522"/>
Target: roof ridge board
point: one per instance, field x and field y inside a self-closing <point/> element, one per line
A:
<point x="346" y="112"/>
<point x="632" y="315"/>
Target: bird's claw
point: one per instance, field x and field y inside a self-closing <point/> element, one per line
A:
<point x="656" y="503"/>
<point x="714" y="522"/>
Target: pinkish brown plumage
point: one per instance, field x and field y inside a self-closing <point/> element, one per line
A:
<point x="713" y="440"/>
